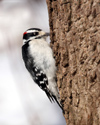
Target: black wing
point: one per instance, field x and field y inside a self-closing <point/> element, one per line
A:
<point x="37" y="74"/>
<point x="41" y="79"/>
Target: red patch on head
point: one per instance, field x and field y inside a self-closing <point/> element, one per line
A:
<point x="24" y="33"/>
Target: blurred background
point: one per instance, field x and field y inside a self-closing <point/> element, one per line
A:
<point x="21" y="101"/>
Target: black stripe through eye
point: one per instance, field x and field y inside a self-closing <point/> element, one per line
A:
<point x="28" y="35"/>
<point x="35" y="33"/>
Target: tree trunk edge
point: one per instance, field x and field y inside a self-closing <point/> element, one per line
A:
<point x="75" y="29"/>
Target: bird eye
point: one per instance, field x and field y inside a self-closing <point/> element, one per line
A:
<point x="35" y="33"/>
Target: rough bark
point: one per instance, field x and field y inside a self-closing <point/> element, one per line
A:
<point x="75" y="39"/>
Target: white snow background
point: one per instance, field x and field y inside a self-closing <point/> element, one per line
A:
<point x="21" y="101"/>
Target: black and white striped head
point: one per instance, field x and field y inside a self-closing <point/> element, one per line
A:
<point x="34" y="33"/>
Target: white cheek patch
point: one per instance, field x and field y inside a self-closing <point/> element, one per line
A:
<point x="24" y="41"/>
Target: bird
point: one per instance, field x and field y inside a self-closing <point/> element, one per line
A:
<point x="40" y="63"/>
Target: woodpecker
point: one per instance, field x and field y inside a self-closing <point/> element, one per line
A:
<point x="39" y="61"/>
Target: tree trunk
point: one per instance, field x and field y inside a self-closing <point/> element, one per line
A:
<point x="75" y="39"/>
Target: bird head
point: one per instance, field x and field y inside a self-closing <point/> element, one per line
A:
<point x="34" y="33"/>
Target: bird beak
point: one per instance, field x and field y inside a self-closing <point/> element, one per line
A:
<point x="44" y="34"/>
<point x="47" y="34"/>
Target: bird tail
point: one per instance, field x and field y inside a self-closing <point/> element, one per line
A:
<point x="49" y="96"/>
<point x="53" y="98"/>
<point x="58" y="102"/>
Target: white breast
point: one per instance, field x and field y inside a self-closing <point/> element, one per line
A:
<point x="43" y="56"/>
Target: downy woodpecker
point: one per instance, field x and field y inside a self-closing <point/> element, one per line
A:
<point x="39" y="61"/>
